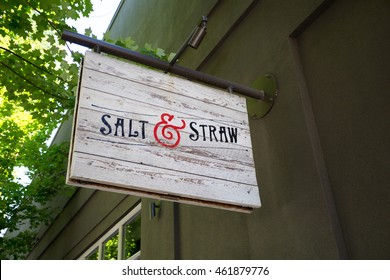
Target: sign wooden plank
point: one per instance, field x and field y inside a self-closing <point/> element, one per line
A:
<point x="143" y="132"/>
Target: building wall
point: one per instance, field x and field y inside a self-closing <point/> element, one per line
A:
<point x="321" y="154"/>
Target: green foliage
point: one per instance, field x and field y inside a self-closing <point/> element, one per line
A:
<point x="24" y="206"/>
<point x="37" y="92"/>
<point x="133" y="238"/>
<point x="17" y="247"/>
<point x="111" y="248"/>
<point x="132" y="242"/>
<point x="37" y="85"/>
<point x="132" y="45"/>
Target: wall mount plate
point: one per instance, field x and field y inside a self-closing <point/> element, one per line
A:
<point x="257" y="108"/>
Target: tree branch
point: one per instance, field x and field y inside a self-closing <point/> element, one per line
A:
<point x="29" y="62"/>
<point x="31" y="83"/>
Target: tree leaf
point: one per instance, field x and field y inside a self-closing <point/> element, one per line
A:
<point x="35" y="81"/>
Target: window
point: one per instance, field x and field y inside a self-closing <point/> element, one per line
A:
<point x="121" y="242"/>
<point x="132" y="232"/>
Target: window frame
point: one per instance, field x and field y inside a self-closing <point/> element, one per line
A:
<point x="119" y="227"/>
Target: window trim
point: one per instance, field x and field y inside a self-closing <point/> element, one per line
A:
<point x="120" y="227"/>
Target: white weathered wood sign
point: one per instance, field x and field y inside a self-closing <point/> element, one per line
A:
<point x="147" y="133"/>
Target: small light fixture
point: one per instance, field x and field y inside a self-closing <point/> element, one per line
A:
<point x="193" y="40"/>
<point x="198" y="34"/>
<point x="154" y="210"/>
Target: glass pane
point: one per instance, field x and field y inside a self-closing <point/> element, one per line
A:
<point x="111" y="247"/>
<point x="94" y="255"/>
<point x="132" y="237"/>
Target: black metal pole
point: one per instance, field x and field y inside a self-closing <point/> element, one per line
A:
<point x="162" y="65"/>
<point x="181" y="50"/>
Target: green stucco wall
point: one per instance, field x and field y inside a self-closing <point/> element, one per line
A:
<point x="321" y="154"/>
<point x="305" y="155"/>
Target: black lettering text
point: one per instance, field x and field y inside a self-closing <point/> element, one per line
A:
<point x="212" y="130"/>
<point x="194" y="136"/>
<point x="203" y="126"/>
<point x="222" y="132"/>
<point x="131" y="128"/>
<point x="119" y="124"/>
<point x="105" y="130"/>
<point x="143" y="128"/>
<point x="233" y="134"/>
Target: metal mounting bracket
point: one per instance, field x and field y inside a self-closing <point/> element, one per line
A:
<point x="257" y="109"/>
<point x="162" y="65"/>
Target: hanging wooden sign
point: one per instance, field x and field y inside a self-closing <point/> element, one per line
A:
<point x="143" y="132"/>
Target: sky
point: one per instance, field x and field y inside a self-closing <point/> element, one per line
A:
<point x="98" y="20"/>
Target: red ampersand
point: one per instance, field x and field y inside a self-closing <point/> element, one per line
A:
<point x="168" y="131"/>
